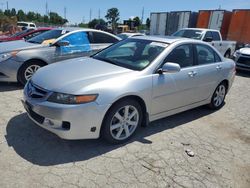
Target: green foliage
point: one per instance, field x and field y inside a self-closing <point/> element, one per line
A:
<point x="137" y="21"/>
<point x="31" y="16"/>
<point x="84" y="25"/>
<point x="94" y="22"/>
<point x="113" y="16"/>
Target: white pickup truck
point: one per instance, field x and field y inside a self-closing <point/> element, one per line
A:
<point x="226" y="48"/>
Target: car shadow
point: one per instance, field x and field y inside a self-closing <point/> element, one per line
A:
<point x="5" y="86"/>
<point x="43" y="148"/>
<point x="243" y="73"/>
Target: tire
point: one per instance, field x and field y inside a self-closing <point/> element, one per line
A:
<point x="227" y="54"/>
<point x="27" y="70"/>
<point x="218" y="97"/>
<point x="117" y="126"/>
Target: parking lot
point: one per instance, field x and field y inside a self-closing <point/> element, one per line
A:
<point x="155" y="157"/>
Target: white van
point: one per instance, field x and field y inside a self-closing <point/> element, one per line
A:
<point x="28" y="25"/>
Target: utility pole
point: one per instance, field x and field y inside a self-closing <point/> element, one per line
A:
<point x="7" y="5"/>
<point x="142" y="15"/>
<point x="46" y="9"/>
<point x="90" y="15"/>
<point x="65" y="13"/>
<point x="83" y="19"/>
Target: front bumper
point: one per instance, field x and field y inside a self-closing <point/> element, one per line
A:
<point x="243" y="62"/>
<point x="82" y="121"/>
<point x="9" y="69"/>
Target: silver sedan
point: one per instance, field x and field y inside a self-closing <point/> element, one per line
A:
<point x="127" y="85"/>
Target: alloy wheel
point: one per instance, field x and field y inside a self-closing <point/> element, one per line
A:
<point x="30" y="71"/>
<point x="219" y="95"/>
<point x="124" y="122"/>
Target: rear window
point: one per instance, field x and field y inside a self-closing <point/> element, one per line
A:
<point x="102" y="38"/>
<point x="32" y="25"/>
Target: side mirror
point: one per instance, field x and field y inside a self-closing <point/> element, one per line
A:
<point x="208" y="39"/>
<point x="62" y="43"/>
<point x="169" y="68"/>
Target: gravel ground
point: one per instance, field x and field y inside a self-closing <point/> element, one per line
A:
<point x="155" y="157"/>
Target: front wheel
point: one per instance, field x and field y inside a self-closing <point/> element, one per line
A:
<point x="27" y="70"/>
<point x="122" y="121"/>
<point x="218" y="97"/>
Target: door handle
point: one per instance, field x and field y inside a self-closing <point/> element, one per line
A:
<point x="192" y="74"/>
<point x="220" y="44"/>
<point x="219" y="67"/>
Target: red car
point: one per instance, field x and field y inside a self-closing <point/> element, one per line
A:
<point x="26" y="34"/>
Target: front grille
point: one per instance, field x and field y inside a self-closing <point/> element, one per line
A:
<point x="36" y="92"/>
<point x="244" y="60"/>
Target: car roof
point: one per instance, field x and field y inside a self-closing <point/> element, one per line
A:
<point x="200" y="29"/>
<point x="158" y="38"/>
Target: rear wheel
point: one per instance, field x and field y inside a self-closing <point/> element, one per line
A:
<point x="218" y="97"/>
<point x="27" y="70"/>
<point x="122" y="121"/>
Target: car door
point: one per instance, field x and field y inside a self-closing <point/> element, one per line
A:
<point x="100" y="40"/>
<point x="213" y="43"/>
<point x="209" y="70"/>
<point x="79" y="46"/>
<point x="218" y="42"/>
<point x="175" y="90"/>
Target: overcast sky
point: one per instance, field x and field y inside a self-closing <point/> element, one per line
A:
<point x="79" y="10"/>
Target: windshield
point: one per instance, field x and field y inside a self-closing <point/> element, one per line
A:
<point x="21" y="32"/>
<point x="48" y="35"/>
<point x="122" y="36"/>
<point x="188" y="33"/>
<point x="135" y="54"/>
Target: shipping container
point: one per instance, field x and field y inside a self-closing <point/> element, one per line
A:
<point x="239" y="29"/>
<point x="180" y="19"/>
<point x="220" y="20"/>
<point x="203" y="19"/>
<point x="193" y="19"/>
<point x="172" y="22"/>
<point x="158" y="23"/>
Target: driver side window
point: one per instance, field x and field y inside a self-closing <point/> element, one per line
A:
<point x="78" y="42"/>
<point x="182" y="55"/>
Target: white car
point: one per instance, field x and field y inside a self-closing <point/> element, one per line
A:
<point x="226" y="48"/>
<point x="27" y="25"/>
<point x="128" y="35"/>
<point x="242" y="58"/>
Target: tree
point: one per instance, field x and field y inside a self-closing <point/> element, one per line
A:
<point x="21" y="16"/>
<point x="94" y="22"/>
<point x="13" y="12"/>
<point x="137" y="21"/>
<point x="148" y="23"/>
<point x="31" y="16"/>
<point x="113" y="16"/>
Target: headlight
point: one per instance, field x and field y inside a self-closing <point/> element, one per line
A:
<point x="236" y="53"/>
<point x="4" y="57"/>
<point x="71" y="99"/>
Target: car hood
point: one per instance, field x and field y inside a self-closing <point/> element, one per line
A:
<point x="6" y="47"/>
<point x="72" y="76"/>
<point x="245" y="51"/>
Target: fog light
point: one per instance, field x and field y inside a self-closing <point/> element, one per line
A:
<point x="48" y="122"/>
